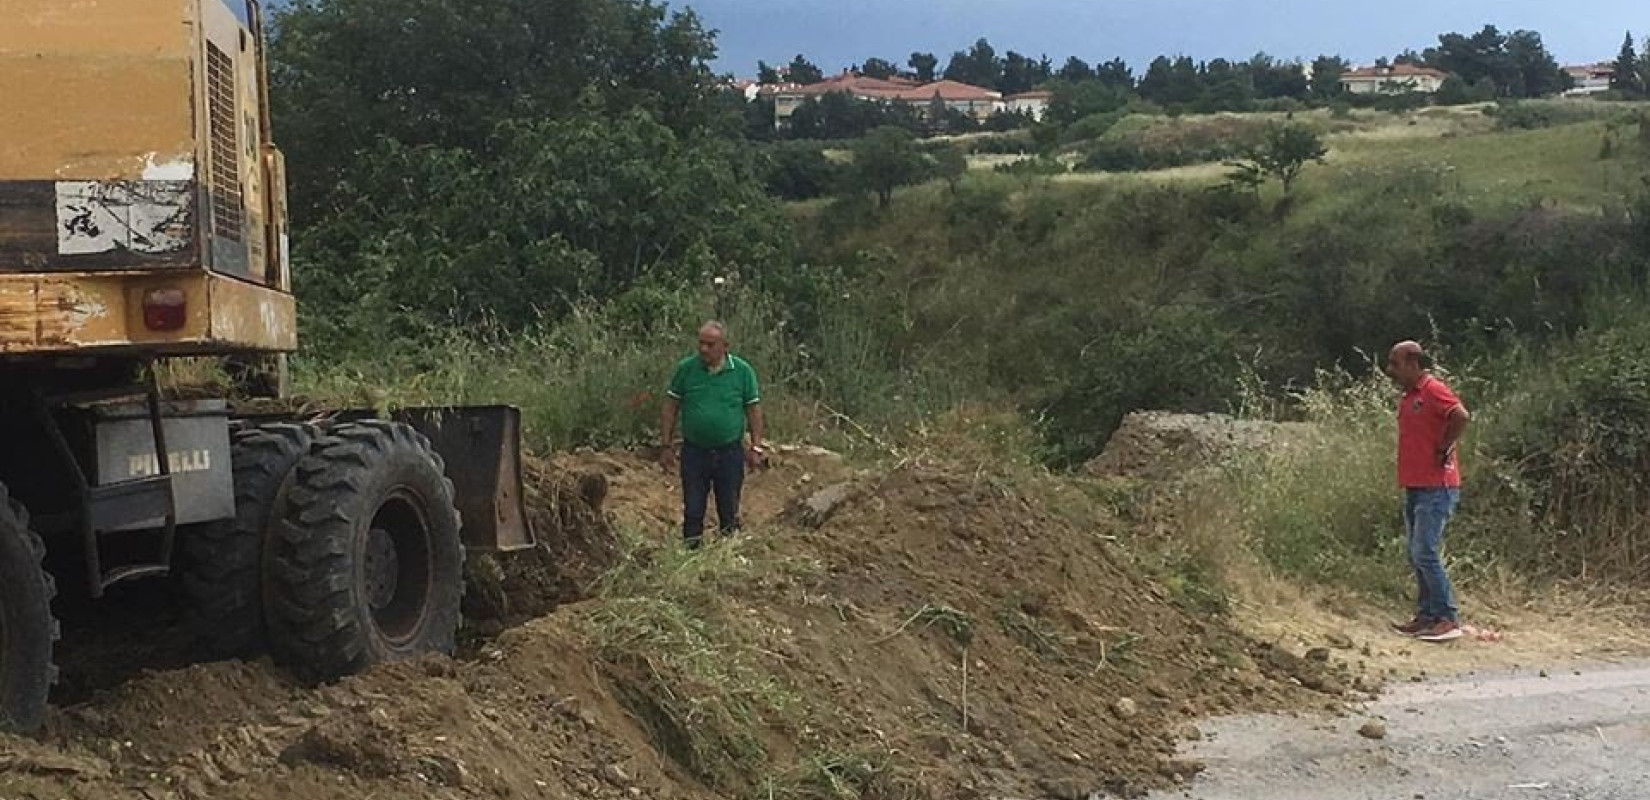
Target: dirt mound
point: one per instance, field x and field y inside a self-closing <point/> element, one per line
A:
<point x="1012" y="651"/>
<point x="523" y="719"/>
<point x="577" y="542"/>
<point x="1156" y="445"/>
<point x="940" y="633"/>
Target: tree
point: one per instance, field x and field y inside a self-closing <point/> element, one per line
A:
<point x="878" y="68"/>
<point x="1021" y="74"/>
<point x="1185" y="82"/>
<point x="978" y="66"/>
<point x="1274" y="79"/>
<point x="1225" y="87"/>
<point x="1453" y="92"/>
<point x="1644" y="70"/>
<point x="950" y="165"/>
<point x="923" y="65"/>
<point x="1627" y="82"/>
<point x="798" y="171"/>
<point x="1517" y="64"/>
<point x="1326" y="76"/>
<point x="1115" y="73"/>
<point x="1076" y="69"/>
<point x="444" y="73"/>
<point x="803" y="71"/>
<point x="1539" y="74"/>
<point x="884" y="160"/>
<point x="1157" y="84"/>
<point x="421" y="236"/>
<point x="1285" y="151"/>
<point x="1075" y="101"/>
<point x="765" y="74"/>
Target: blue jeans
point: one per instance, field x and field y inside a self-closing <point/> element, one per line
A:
<point x="1425" y="512"/>
<point x="707" y="469"/>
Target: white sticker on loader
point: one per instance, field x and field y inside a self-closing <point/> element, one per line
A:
<point x="148" y="217"/>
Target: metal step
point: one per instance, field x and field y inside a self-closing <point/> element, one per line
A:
<point x="134" y="571"/>
<point x="121" y="504"/>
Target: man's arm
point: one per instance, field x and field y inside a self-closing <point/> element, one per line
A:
<point x="753" y="421"/>
<point x="1454" y="425"/>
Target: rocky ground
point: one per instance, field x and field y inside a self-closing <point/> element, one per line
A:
<point x="1577" y="733"/>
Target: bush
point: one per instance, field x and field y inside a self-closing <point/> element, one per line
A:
<point x="1137" y="143"/>
<point x="979" y="210"/>
<point x="1038" y="165"/>
<point x="1009" y="145"/>
<point x="1092" y="126"/>
<point x="1176" y="358"/>
<point x="1530" y="115"/>
<point x="799" y="171"/>
<point x="1580" y="448"/>
<point x="1320" y="504"/>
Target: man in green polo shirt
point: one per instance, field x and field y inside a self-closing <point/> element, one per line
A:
<point x="716" y="396"/>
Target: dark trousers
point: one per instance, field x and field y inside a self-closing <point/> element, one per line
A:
<point x="708" y="469"/>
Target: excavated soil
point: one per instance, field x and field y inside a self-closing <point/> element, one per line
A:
<point x="987" y="646"/>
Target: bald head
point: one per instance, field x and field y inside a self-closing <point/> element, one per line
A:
<point x="713" y="344"/>
<point x="1406" y="363"/>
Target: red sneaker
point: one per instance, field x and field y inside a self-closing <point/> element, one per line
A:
<point x="1412" y="627"/>
<point x="1443" y="630"/>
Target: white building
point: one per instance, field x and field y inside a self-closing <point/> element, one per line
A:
<point x="1031" y="104"/>
<point x="1590" y="79"/>
<point x="1396" y="79"/>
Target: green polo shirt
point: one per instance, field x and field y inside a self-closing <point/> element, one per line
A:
<point x="713" y="403"/>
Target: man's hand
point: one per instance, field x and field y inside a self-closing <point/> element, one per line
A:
<point x="667" y="457"/>
<point x="1443" y="455"/>
<point x="753" y="457"/>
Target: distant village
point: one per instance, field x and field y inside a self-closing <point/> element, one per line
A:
<point x="935" y="99"/>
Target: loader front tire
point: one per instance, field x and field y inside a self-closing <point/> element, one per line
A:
<point x="368" y="564"/>
<point x="27" y="627"/>
<point x="223" y="562"/>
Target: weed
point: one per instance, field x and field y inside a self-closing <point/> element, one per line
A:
<point x="683" y="661"/>
<point x="844" y="775"/>
<point x="1034" y="634"/>
<point x="959" y="625"/>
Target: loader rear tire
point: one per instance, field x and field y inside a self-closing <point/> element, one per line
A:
<point x="368" y="564"/>
<point x="27" y="627"/>
<point x="223" y="562"/>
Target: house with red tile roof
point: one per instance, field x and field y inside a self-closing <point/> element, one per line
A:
<point x="1395" y="79"/>
<point x="1590" y="79"/>
<point x="979" y="104"/>
<point x="976" y="102"/>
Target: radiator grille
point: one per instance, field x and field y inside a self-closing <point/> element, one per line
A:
<point x="227" y="205"/>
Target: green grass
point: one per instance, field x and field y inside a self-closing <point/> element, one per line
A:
<point x="685" y="660"/>
<point x="1560" y="166"/>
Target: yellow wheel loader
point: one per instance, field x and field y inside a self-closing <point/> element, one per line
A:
<point x="142" y="218"/>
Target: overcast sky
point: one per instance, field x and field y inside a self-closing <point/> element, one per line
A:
<point x="836" y="33"/>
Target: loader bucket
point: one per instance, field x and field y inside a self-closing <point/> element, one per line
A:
<point x="481" y="446"/>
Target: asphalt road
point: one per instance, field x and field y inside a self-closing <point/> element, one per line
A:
<point x="1581" y="734"/>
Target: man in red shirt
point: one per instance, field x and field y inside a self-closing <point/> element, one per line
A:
<point x="1430" y="421"/>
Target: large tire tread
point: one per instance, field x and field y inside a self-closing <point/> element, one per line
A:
<point x="28" y="674"/>
<point x="318" y="615"/>
<point x="223" y="562"/>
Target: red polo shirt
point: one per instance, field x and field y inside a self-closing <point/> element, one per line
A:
<point x="1423" y="415"/>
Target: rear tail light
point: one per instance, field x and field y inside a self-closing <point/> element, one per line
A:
<point x="165" y="309"/>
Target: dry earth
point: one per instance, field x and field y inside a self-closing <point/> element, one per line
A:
<point x="930" y="630"/>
